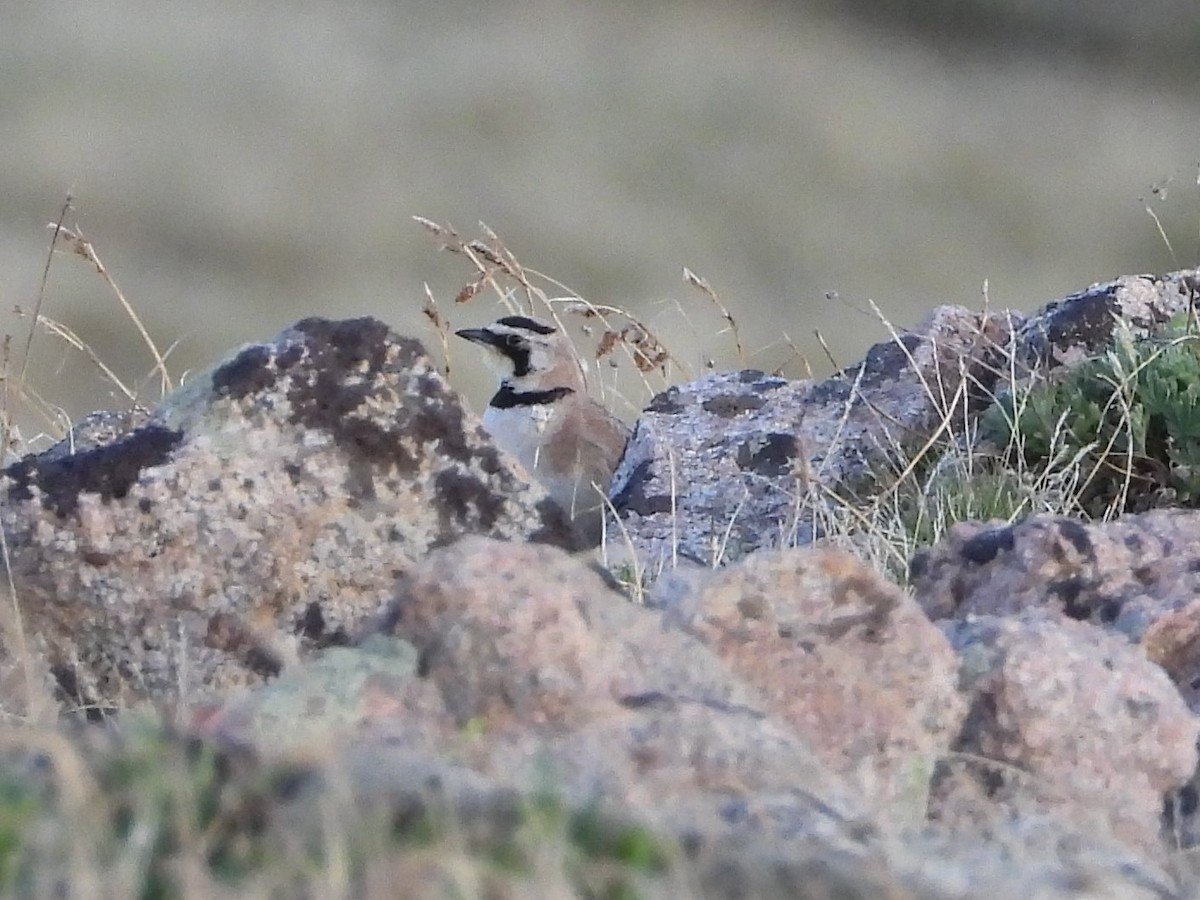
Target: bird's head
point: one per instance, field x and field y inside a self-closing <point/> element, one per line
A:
<point x="527" y="352"/>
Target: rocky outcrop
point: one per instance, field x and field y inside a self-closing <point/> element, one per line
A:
<point x="1138" y="575"/>
<point x="265" y="508"/>
<point x="321" y="514"/>
<point x="727" y="464"/>
<point x="519" y="667"/>
<point x="527" y="667"/>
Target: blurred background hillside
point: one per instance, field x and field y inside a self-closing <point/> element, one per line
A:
<point x="239" y="166"/>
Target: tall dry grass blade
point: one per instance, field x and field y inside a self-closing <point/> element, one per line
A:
<point x="796" y="353"/>
<point x="69" y="337"/>
<point x="58" y="227"/>
<point x="1162" y="232"/>
<point x="1159" y="189"/>
<point x="702" y="285"/>
<point x="18" y="619"/>
<point x="825" y="347"/>
<point x="20" y="646"/>
<point x="429" y="225"/>
<point x="84" y="248"/>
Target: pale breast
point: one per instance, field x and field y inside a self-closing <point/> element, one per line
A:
<point x="519" y="431"/>
<point x="566" y="467"/>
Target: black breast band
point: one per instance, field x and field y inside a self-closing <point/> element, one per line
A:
<point x="507" y="398"/>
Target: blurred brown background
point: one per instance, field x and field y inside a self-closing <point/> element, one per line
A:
<point x="239" y="166"/>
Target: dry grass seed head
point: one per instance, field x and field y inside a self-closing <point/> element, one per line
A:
<point x="702" y="285"/>
<point x="497" y="267"/>
<point x="84" y="248"/>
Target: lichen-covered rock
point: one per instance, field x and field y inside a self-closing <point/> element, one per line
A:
<point x="336" y="692"/>
<point x="512" y="634"/>
<point x="264" y="508"/>
<point x="1123" y="574"/>
<point x="1067" y="722"/>
<point x="716" y="468"/>
<point x="1173" y="641"/>
<point x="1069" y="330"/>
<point x="845" y="658"/>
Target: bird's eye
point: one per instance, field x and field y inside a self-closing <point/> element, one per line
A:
<point x="512" y="340"/>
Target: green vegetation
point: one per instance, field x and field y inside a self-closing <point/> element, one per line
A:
<point x="1127" y="420"/>
<point x="154" y="814"/>
<point x="1116" y="433"/>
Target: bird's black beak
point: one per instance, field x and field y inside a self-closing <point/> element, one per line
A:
<point x="476" y="335"/>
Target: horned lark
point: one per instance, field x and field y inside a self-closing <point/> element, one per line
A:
<point x="543" y="416"/>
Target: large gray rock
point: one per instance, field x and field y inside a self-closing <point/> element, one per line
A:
<point x="266" y="507"/>
<point x="737" y="461"/>
<point x="1070" y="329"/>
<point x="722" y="466"/>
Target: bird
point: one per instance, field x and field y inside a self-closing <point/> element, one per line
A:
<point x="542" y="415"/>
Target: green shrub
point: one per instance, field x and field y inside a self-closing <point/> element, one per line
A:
<point x="1130" y="420"/>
